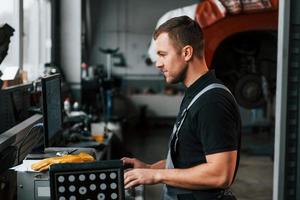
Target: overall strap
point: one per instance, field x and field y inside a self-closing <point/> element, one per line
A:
<point x="207" y="88"/>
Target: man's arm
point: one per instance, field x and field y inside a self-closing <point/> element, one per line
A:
<point x="159" y="165"/>
<point x="218" y="172"/>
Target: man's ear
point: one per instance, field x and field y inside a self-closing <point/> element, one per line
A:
<point x="187" y="52"/>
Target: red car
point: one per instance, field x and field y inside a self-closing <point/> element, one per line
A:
<point x="242" y="48"/>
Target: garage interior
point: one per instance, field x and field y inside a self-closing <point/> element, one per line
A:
<point x="109" y="83"/>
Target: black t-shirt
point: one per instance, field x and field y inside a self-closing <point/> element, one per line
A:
<point x="212" y="124"/>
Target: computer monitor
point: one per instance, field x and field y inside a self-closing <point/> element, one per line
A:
<point x="15" y="104"/>
<point x="17" y="142"/>
<point x="52" y="109"/>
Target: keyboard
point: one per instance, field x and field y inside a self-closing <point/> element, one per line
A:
<point x="96" y="180"/>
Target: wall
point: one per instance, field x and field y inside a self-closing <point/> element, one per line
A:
<point x="128" y="25"/>
<point x="123" y="24"/>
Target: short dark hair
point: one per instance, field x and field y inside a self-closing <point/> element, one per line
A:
<point x="183" y="31"/>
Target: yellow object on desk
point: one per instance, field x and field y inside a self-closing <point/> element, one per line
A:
<point x="44" y="164"/>
<point x="99" y="138"/>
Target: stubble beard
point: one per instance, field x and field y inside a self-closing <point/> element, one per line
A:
<point x="180" y="77"/>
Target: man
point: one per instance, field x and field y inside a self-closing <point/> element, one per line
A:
<point x="6" y="32"/>
<point x="204" y="147"/>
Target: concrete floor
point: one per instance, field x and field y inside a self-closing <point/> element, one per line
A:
<point x="254" y="180"/>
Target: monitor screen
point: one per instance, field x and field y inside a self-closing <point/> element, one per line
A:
<point x="52" y="108"/>
<point x="15" y="104"/>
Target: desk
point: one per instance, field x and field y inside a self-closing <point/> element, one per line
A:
<point x="35" y="186"/>
<point x="103" y="150"/>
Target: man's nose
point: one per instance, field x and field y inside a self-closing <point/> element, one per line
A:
<point x="158" y="64"/>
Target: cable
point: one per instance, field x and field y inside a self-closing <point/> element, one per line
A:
<point x="38" y="125"/>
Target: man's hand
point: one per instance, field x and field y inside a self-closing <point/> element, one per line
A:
<point x="137" y="177"/>
<point x="134" y="163"/>
<point x="141" y="173"/>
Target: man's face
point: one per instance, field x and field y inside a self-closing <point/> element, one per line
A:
<point x="170" y="61"/>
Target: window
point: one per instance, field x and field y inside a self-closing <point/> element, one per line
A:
<point x="36" y="36"/>
<point x="34" y="49"/>
<point x="8" y="15"/>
